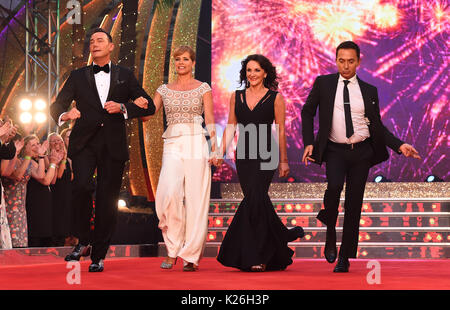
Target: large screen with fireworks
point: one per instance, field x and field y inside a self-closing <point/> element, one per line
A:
<point x="403" y="53"/>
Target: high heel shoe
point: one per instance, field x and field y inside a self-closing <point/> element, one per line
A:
<point x="190" y="267"/>
<point x="166" y="264"/>
<point x="258" y="268"/>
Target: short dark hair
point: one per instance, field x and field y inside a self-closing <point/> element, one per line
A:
<point x="348" y="45"/>
<point x="271" y="81"/>
<point x="100" y="30"/>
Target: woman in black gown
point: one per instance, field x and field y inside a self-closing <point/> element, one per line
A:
<point x="61" y="190"/>
<point x="256" y="239"/>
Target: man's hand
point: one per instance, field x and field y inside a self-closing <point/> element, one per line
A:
<point x="73" y="114"/>
<point x="141" y="102"/>
<point x="409" y="151"/>
<point x="112" y="107"/>
<point x="307" y="154"/>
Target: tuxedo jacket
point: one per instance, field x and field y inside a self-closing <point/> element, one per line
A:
<point x="7" y="151"/>
<point x="81" y="88"/>
<point x="323" y="95"/>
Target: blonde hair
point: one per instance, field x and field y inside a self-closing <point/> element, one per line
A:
<point x="183" y="49"/>
<point x="27" y="140"/>
<point x="52" y="134"/>
<point x="64" y="132"/>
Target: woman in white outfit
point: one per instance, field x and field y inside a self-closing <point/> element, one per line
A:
<point x="183" y="192"/>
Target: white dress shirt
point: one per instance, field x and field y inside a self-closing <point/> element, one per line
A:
<point x="360" y="128"/>
<point x="102" y="82"/>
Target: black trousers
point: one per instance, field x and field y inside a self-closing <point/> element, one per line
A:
<point x="104" y="190"/>
<point x="344" y="164"/>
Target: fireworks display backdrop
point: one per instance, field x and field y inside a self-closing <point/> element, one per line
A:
<point x="403" y="52"/>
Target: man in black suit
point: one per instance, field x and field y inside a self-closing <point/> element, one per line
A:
<point x="102" y="93"/>
<point x="351" y="139"/>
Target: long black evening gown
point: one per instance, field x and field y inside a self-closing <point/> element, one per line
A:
<point x="39" y="214"/>
<point x="63" y="213"/>
<point x="256" y="234"/>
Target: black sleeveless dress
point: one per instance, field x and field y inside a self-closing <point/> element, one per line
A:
<point x="256" y="234"/>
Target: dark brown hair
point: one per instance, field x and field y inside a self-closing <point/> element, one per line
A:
<point x="271" y="79"/>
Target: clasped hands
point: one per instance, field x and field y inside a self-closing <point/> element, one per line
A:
<point x="217" y="160"/>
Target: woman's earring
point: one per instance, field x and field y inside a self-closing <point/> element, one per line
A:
<point x="247" y="84"/>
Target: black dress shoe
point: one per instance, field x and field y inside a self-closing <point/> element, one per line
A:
<point x="96" y="266"/>
<point x="78" y="251"/>
<point x="342" y="265"/>
<point x="330" y="251"/>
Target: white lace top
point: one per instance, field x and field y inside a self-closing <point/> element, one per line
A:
<point x="184" y="109"/>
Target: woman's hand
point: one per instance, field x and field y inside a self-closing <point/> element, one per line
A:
<point x="43" y="148"/>
<point x="283" y="169"/>
<point x="19" y="145"/>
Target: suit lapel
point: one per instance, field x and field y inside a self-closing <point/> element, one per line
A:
<point x="114" y="79"/>
<point x="365" y="94"/>
<point x="333" y="88"/>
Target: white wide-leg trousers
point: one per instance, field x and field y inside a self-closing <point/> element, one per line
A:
<point x="182" y="196"/>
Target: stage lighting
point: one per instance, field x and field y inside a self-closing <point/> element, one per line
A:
<point x="121" y="203"/>
<point x="124" y="201"/>
<point x="433" y="178"/>
<point x="26" y="117"/>
<point x="40" y="117"/>
<point x="290" y="180"/>
<point x="40" y="104"/>
<point x="33" y="108"/>
<point x="381" y="178"/>
<point x="25" y="104"/>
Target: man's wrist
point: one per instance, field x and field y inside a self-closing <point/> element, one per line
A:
<point x="123" y="110"/>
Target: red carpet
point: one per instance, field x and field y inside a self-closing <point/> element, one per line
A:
<point x="49" y="272"/>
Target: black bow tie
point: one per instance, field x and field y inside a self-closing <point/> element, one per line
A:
<point x="97" y="68"/>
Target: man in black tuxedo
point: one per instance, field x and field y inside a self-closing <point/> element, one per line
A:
<point x="351" y="139"/>
<point x="102" y="93"/>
